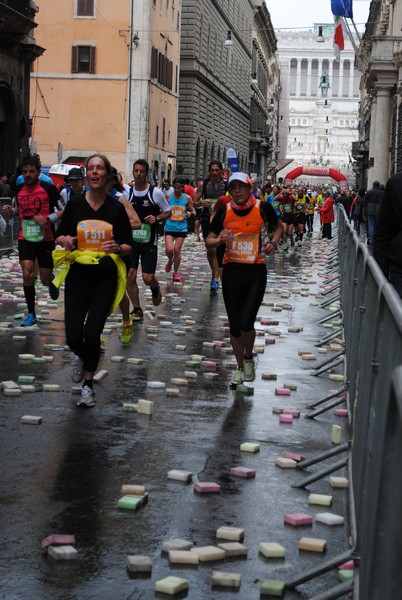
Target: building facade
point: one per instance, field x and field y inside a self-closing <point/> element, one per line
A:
<point x="18" y="50"/>
<point x="108" y="82"/>
<point x="319" y="106"/>
<point x="378" y="153"/>
<point x="223" y="45"/>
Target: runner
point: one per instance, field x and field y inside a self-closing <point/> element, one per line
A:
<point x="176" y="226"/>
<point x="300" y="216"/>
<point x="240" y="225"/>
<point x="95" y="233"/>
<point x="37" y="204"/>
<point x="207" y="193"/>
<point x="151" y="206"/>
<point x="286" y="207"/>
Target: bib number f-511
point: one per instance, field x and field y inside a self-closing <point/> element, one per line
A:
<point x="91" y="234"/>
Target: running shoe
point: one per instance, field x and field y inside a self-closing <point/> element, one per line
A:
<point x="237" y="379"/>
<point x="53" y="291"/>
<point x="248" y="369"/>
<point x="168" y="266"/>
<point x="102" y="344"/>
<point x="176" y="278"/>
<point x="78" y="370"/>
<point x="156" y="296"/>
<point x="137" y="314"/>
<point x="214" y="285"/>
<point x="29" y="320"/>
<point x="127" y="332"/>
<point x="87" y="399"/>
<point x="285" y="247"/>
<point x="292" y="242"/>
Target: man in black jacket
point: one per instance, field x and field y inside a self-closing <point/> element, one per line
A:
<point x="388" y="233"/>
<point x="371" y="209"/>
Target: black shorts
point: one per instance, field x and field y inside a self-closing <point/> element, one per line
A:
<point x="205" y="227"/>
<point x="176" y="234"/>
<point x="149" y="257"/>
<point x="42" y="251"/>
<point x="300" y="219"/>
<point x="198" y="212"/>
<point x="289" y="220"/>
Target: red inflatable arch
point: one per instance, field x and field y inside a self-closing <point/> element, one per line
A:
<point x="317" y="172"/>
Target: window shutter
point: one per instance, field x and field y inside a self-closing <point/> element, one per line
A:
<point x="74" y="59"/>
<point x="92" y="59"/>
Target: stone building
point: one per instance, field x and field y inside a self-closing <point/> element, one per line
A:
<point x="378" y="153"/>
<point x="18" y="49"/>
<point x="223" y="45"/>
<point x="108" y="82"/>
<point x="318" y="111"/>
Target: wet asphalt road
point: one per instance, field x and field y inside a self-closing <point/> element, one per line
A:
<point x="65" y="475"/>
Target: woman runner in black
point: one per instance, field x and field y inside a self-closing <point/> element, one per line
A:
<point x="96" y="232"/>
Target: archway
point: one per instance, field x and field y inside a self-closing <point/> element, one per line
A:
<point x="317" y="172"/>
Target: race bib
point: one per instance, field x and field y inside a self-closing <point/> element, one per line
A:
<point x="177" y="213"/>
<point x="275" y="204"/>
<point x="287" y="209"/>
<point x="91" y="234"/>
<point x="32" y="232"/>
<point x="243" y="248"/>
<point x="143" y="235"/>
<point x="299" y="207"/>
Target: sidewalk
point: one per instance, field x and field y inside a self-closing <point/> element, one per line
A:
<point x="65" y="475"/>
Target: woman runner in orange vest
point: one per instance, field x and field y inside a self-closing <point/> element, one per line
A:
<point x="243" y="225"/>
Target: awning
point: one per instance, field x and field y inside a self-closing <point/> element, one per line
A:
<point x="284" y="162"/>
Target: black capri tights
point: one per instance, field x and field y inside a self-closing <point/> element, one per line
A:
<point x="243" y="288"/>
<point x="88" y="298"/>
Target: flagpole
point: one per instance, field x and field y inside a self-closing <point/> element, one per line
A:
<point x="355" y="48"/>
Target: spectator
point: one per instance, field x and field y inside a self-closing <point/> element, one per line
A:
<point x="388" y="233"/>
<point x="371" y="210"/>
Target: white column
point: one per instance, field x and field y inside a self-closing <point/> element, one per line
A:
<point x="298" y="77"/>
<point x="351" y="79"/>
<point x="309" y="67"/>
<point x="380" y="149"/>
<point x="319" y="72"/>
<point x="340" y="86"/>
<point x="330" y="73"/>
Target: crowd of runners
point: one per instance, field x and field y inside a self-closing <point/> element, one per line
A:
<point x="98" y="231"/>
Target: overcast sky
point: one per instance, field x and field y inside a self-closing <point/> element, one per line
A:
<point x="304" y="13"/>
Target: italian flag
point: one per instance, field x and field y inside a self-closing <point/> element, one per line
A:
<point x="339" y="40"/>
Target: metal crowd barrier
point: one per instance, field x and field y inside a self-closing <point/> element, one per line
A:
<point x="8" y="241"/>
<point x="372" y="317"/>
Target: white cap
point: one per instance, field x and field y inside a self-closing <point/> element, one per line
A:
<point x="243" y="177"/>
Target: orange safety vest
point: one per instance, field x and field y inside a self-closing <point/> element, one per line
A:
<point x="244" y="245"/>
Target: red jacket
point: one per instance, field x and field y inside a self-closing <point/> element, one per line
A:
<point x="327" y="211"/>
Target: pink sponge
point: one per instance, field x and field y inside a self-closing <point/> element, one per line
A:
<point x="298" y="519"/>
<point x="293" y="456"/>
<point x="282" y="392"/>
<point x="206" y="486"/>
<point x="242" y="472"/>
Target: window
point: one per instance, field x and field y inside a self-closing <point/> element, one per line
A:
<point x="157" y="135"/>
<point x="161" y="68"/>
<point x="85" y="8"/>
<point x="164" y="133"/>
<point x="83" y="59"/>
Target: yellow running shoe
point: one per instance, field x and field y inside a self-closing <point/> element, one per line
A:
<point x="127" y="332"/>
